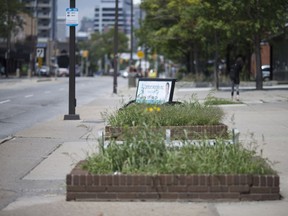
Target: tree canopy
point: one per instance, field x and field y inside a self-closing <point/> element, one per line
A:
<point x="191" y="30"/>
<point x="10" y="19"/>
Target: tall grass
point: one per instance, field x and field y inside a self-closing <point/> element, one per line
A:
<point x="146" y="152"/>
<point x="186" y="113"/>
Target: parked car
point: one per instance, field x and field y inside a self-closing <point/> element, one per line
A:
<point x="43" y="71"/>
<point x="266" y="71"/>
<point x="63" y="72"/>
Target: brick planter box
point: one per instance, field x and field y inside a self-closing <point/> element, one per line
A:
<point x="84" y="186"/>
<point x="176" y="132"/>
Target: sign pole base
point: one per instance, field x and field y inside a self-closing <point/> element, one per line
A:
<point x="72" y="117"/>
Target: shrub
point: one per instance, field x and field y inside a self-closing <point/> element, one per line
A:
<point x="186" y="113"/>
<point x="146" y="152"/>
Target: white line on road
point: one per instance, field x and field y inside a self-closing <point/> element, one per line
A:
<point x="47" y="92"/>
<point x="5" y="101"/>
<point x="28" y="96"/>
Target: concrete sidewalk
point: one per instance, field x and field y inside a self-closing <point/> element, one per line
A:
<point x="263" y="114"/>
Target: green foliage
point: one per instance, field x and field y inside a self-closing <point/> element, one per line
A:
<point x="10" y="20"/>
<point x="145" y="152"/>
<point x="102" y="44"/>
<point x="186" y="113"/>
<point x="191" y="30"/>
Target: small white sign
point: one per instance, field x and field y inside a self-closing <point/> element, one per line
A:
<point x="71" y="16"/>
<point x="40" y="52"/>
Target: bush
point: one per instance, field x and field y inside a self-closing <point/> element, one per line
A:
<point x="187" y="113"/>
<point x="147" y="152"/>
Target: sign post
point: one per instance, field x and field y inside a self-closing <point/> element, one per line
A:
<point x="72" y="21"/>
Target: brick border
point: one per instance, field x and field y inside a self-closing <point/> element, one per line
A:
<point x="84" y="186"/>
<point x="176" y="132"/>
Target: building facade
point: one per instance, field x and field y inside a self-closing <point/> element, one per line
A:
<point x="104" y="15"/>
<point x="45" y="12"/>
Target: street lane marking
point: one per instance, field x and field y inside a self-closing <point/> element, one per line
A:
<point x="5" y="101"/>
<point x="28" y="96"/>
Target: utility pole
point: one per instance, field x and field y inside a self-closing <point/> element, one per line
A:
<point x="131" y="35"/>
<point x="115" y="49"/>
<point x="72" y="98"/>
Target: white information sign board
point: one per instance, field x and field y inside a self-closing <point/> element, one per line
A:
<point x="71" y="16"/>
<point x="155" y="91"/>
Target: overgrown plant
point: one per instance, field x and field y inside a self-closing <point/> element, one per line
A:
<point x="147" y="152"/>
<point x="186" y="113"/>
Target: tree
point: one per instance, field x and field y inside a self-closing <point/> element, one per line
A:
<point x="102" y="44"/>
<point x="10" y="23"/>
<point x="184" y="29"/>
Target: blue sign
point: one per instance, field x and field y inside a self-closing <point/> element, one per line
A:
<point x="71" y="16"/>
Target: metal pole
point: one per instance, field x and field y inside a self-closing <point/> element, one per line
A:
<point x="115" y="49"/>
<point x="72" y="99"/>
<point x="131" y="35"/>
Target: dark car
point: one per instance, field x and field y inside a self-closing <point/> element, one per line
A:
<point x="266" y="71"/>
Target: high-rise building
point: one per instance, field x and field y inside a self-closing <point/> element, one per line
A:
<point x="104" y="16"/>
<point x="45" y="13"/>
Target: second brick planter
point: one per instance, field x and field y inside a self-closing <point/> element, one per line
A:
<point x="176" y="132"/>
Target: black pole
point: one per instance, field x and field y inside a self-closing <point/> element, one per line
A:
<point x="115" y="49"/>
<point x="131" y="34"/>
<point x="72" y="98"/>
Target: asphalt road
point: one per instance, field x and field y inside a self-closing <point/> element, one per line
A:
<point x="26" y="102"/>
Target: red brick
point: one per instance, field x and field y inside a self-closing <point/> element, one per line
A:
<point x="219" y="188"/>
<point x="82" y="179"/>
<point x="276" y="181"/>
<point x="169" y="180"/>
<point x="270" y="181"/>
<point x="188" y="196"/>
<point x="204" y="179"/>
<point x="107" y="196"/>
<point x="102" y="179"/>
<point x="96" y="188"/>
<point x="197" y="188"/>
<point x="144" y="196"/>
<point x="239" y="188"/>
<point x="178" y="188"/>
<point x="89" y="179"/>
<point x="96" y="180"/>
<point x="218" y="180"/>
<point x="68" y="179"/>
<point x="129" y="180"/>
<point x="260" y="190"/>
<point x="275" y="189"/>
<point x="263" y="181"/>
<point x="122" y="179"/>
<point x="168" y="196"/>
<point x="127" y="196"/>
<point x="256" y="180"/>
<point x="76" y="188"/>
<point x="75" y="180"/>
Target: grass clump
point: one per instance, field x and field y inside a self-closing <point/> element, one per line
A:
<point x="146" y="152"/>
<point x="186" y="113"/>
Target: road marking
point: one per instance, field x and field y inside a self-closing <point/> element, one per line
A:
<point x="5" y="101"/>
<point x="47" y="92"/>
<point x="28" y="96"/>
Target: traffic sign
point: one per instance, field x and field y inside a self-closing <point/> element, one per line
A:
<point x="40" y="52"/>
<point x="71" y="16"/>
<point x="140" y="54"/>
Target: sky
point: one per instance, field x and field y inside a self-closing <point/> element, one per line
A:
<point x="85" y="7"/>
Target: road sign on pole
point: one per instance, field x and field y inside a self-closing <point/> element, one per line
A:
<point x="40" y="52"/>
